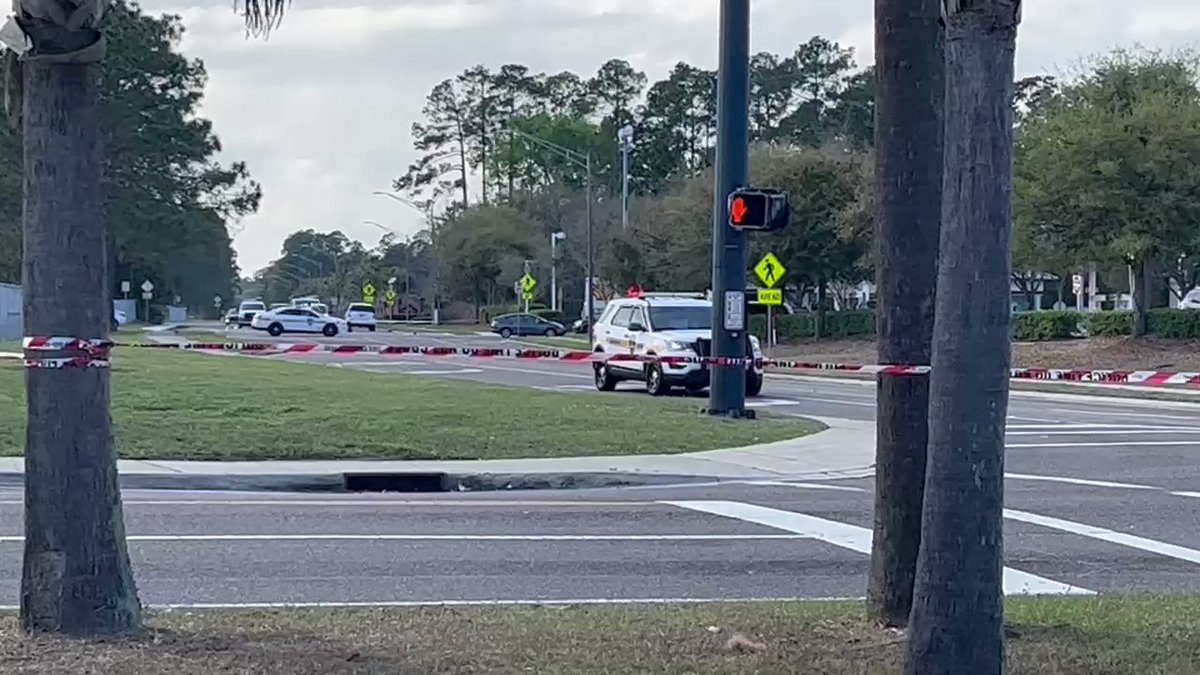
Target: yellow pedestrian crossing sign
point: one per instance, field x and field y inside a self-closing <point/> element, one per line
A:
<point x="528" y="283"/>
<point x="769" y="271"/>
<point x="368" y="292"/>
<point x="391" y="295"/>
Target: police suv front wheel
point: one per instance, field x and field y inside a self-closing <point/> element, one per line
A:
<point x="604" y="379"/>
<point x="656" y="383"/>
<point x="754" y="384"/>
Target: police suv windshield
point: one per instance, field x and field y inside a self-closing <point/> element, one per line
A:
<point x="692" y="317"/>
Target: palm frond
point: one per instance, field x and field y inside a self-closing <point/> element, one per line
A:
<point x="262" y="16"/>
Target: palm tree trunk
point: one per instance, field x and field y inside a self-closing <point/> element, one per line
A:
<point x="76" y="577"/>
<point x="910" y="98"/>
<point x="957" y="617"/>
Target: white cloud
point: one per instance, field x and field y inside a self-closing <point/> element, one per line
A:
<point x="322" y="110"/>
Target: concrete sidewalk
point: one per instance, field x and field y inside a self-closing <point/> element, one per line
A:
<point x="845" y="449"/>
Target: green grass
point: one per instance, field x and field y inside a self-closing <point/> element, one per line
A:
<point x="174" y="405"/>
<point x="1052" y="636"/>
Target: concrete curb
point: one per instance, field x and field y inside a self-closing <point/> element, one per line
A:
<point x="448" y="482"/>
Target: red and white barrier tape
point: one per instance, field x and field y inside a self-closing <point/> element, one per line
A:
<point x="97" y="351"/>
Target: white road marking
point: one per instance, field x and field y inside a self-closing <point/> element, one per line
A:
<point x="858" y="539"/>
<point x="457" y="371"/>
<point x="807" y="486"/>
<point x="767" y="402"/>
<point x="1112" y="536"/>
<point x="806" y="399"/>
<point x="1098" y="426"/>
<point x="444" y="537"/>
<point x="1080" y="481"/>
<point x="1104" y="444"/>
<point x="1131" y="431"/>
<point x="1187" y="494"/>
<point x="534" y="602"/>
<point x="351" y="501"/>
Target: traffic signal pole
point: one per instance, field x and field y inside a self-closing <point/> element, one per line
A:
<point x="727" y="393"/>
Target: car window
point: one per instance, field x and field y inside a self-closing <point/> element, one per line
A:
<point x="289" y="312"/>
<point x="622" y="317"/>
<point x="690" y="317"/>
<point x="529" y="320"/>
<point x="310" y="313"/>
<point x="639" y="317"/>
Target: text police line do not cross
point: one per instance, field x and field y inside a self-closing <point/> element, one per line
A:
<point x="758" y="210"/>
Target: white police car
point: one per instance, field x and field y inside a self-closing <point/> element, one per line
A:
<point x="661" y="324"/>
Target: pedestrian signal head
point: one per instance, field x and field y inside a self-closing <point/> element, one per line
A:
<point x="758" y="210"/>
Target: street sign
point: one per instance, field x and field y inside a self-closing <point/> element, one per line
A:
<point x="368" y="290"/>
<point x="528" y="283"/>
<point x="769" y="270"/>
<point x="147" y="286"/>
<point x="125" y="286"/>
<point x="1077" y="283"/>
<point x="770" y="296"/>
<point x="217" y="301"/>
<point x="735" y="310"/>
<point x="526" y="296"/>
<point x="390" y="296"/>
<point x="146" y="295"/>
<point x="758" y="210"/>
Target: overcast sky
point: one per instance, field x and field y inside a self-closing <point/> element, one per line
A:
<point x="322" y="111"/>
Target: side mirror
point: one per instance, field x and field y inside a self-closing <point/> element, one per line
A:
<point x="636" y="327"/>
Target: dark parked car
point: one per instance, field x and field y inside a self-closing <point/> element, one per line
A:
<point x="525" y="324"/>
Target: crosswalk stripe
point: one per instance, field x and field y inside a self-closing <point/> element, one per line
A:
<point x="1103" y="534"/>
<point x="858" y="539"/>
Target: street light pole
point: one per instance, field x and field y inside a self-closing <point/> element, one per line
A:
<point x="433" y="241"/>
<point x="727" y="393"/>
<point x="583" y="160"/>
<point x="555" y="237"/>
<point x="625" y="135"/>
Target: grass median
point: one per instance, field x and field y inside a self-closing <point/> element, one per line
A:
<point x="173" y="405"/>
<point x="1051" y="636"/>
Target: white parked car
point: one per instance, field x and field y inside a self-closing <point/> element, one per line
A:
<point x="360" y="315"/>
<point x="298" y="320"/>
<point x="662" y="325"/>
<point x="1191" y="300"/>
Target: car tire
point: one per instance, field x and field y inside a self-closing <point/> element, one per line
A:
<point x="550" y="332"/>
<point x="329" y="330"/>
<point x="656" y="382"/>
<point x="275" y="330"/>
<point x="754" y="384"/>
<point x="506" y="333"/>
<point x="371" y="328"/>
<point x="605" y="381"/>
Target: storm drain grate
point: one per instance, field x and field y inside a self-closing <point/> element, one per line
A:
<point x="395" y="482"/>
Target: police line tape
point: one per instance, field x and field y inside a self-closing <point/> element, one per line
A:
<point x="95" y="354"/>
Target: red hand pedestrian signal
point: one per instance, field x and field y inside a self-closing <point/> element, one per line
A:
<point x="737" y="210"/>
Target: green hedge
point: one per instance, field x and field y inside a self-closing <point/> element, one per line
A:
<point x="1176" y="324"/>
<point x="548" y="314"/>
<point x="1110" y="323"/>
<point x="1043" y="326"/>
<point x="804" y="325"/>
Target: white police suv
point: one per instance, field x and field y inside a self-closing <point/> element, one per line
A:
<point x="661" y="324"/>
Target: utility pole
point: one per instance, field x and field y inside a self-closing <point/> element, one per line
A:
<point x="727" y="394"/>
<point x="591" y="269"/>
<point x="625" y="135"/>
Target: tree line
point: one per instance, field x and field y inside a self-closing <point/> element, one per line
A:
<point x="167" y="201"/>
<point x="812" y="116"/>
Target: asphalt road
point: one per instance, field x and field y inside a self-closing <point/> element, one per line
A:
<point x="1102" y="496"/>
<point x="703" y="542"/>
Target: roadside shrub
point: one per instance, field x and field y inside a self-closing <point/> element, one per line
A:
<point x="548" y="314"/>
<point x="1110" y="323"/>
<point x="803" y="325"/>
<point x="1174" y="324"/>
<point x="1042" y="326"/>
